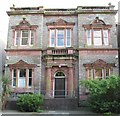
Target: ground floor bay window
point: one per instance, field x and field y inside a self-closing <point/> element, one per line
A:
<point x="22" y="78"/>
<point x="22" y="74"/>
<point x="99" y="69"/>
<point x="93" y="73"/>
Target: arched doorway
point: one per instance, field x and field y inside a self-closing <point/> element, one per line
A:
<point x="59" y="85"/>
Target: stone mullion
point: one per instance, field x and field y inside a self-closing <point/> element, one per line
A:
<point x="32" y="78"/>
<point x="102" y="34"/>
<point x="55" y="41"/>
<point x="34" y="41"/>
<point x="27" y="77"/>
<point x="109" y="37"/>
<point x="17" y="77"/>
<point x="94" y="75"/>
<point x="104" y="69"/>
<point x="71" y="37"/>
<point x="29" y="37"/>
<point x="65" y="38"/>
<point x="92" y="36"/>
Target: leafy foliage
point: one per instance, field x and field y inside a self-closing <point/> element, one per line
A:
<point x="30" y="102"/>
<point x="104" y="94"/>
<point x="6" y="82"/>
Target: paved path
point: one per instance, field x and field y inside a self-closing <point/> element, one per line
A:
<point x="80" y="112"/>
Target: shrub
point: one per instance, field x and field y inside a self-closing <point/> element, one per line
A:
<point x="104" y="94"/>
<point x="30" y="102"/>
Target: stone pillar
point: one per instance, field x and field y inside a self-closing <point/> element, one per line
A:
<point x="71" y="83"/>
<point x="48" y="82"/>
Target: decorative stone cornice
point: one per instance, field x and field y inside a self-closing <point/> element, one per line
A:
<point x="67" y="11"/>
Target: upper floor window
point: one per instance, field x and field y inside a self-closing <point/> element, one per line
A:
<point x="24" y="34"/>
<point x="24" y="37"/>
<point x="97" y="37"/>
<point x="60" y="33"/>
<point x="97" y="33"/>
<point x="60" y="37"/>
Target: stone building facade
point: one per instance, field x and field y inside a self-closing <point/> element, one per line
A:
<point x="50" y="50"/>
<point x="119" y="35"/>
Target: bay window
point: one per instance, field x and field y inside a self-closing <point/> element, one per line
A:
<point x="22" y="78"/>
<point x="100" y="73"/>
<point x="98" y="69"/>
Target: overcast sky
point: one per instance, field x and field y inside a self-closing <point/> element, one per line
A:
<point x="6" y="4"/>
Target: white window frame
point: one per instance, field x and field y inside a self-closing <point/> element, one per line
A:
<point x="106" y="38"/>
<point x="14" y="78"/>
<point x="31" y="31"/>
<point x="67" y="38"/>
<point x="51" y="37"/>
<point x="16" y="37"/>
<point x="23" y="86"/>
<point x="21" y="38"/>
<point x="57" y="38"/>
<point x="89" y="38"/>
<point x="97" y="38"/>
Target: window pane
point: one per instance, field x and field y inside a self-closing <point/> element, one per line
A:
<point x="32" y="38"/>
<point x="22" y="72"/>
<point x="14" y="78"/>
<point x="30" y="72"/>
<point x="98" y="73"/>
<point x="21" y="82"/>
<point x="16" y="37"/>
<point x="89" y="40"/>
<point x="22" y="78"/>
<point x="107" y="72"/>
<point x="30" y="82"/>
<point x="60" y="74"/>
<point x="89" y="73"/>
<point x="14" y="81"/>
<point x="97" y="37"/>
<point x="52" y="38"/>
<point x="14" y="73"/>
<point x="60" y="38"/>
<point x="24" y="37"/>
<point x="68" y="37"/>
<point x="105" y="35"/>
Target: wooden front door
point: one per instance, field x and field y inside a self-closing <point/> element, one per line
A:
<point x="59" y="91"/>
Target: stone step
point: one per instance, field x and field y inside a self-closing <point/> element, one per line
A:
<point x="61" y="104"/>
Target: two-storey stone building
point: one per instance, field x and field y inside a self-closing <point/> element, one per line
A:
<point x="50" y="50"/>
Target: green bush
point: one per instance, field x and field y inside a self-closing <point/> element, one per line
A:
<point x="30" y="102"/>
<point x="104" y="94"/>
